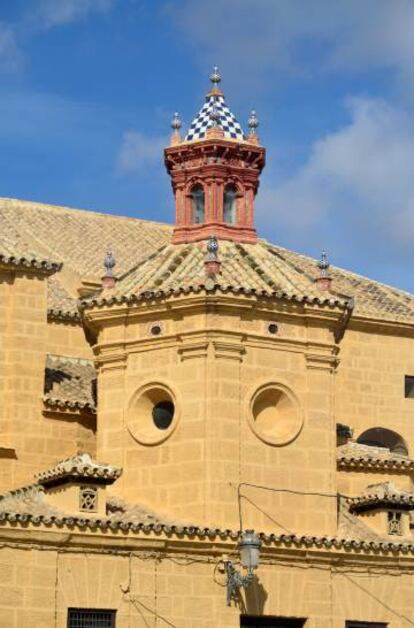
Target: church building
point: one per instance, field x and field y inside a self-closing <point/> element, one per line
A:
<point x="199" y="428"/>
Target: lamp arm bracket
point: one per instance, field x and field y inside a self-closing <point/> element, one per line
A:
<point x="235" y="580"/>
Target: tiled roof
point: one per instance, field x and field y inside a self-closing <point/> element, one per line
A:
<point x="225" y="120"/>
<point x="350" y="526"/>
<point x="372" y="298"/>
<point x="29" y="505"/>
<point x="80" y="239"/>
<point x="60" y="304"/>
<point x="381" y="494"/>
<point x="247" y="268"/>
<point x="79" y="467"/>
<point x="69" y="383"/>
<point x="16" y="249"/>
<point x="358" y="456"/>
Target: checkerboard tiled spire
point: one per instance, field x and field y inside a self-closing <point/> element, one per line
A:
<point x="215" y="174"/>
<point x="215" y="114"/>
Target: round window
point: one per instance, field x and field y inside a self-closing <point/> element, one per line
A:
<point x="155" y="330"/>
<point x="163" y="414"/>
<point x="152" y="414"/>
<point x="275" y="415"/>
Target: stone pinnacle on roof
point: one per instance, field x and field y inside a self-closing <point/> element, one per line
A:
<point x="324" y="280"/>
<point x="323" y="265"/>
<point x="176" y="122"/>
<point x="253" y="123"/>
<point x="108" y="280"/>
<point x="215" y="114"/>
<point x="212" y="262"/>
<point x="176" y="126"/>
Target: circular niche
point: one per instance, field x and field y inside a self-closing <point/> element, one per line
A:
<point x="152" y="414"/>
<point x="275" y="416"/>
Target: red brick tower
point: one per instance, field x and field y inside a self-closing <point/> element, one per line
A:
<point x="215" y="173"/>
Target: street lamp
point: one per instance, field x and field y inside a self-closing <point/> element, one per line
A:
<point x="249" y="547"/>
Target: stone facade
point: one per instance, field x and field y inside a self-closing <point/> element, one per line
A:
<point x="146" y="422"/>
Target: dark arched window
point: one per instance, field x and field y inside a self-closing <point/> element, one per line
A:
<point x="197" y="200"/>
<point x="381" y="437"/>
<point x="229" y="204"/>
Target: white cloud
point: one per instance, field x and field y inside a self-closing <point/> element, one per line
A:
<point x="360" y="176"/>
<point x="51" y="13"/>
<point x="10" y="56"/>
<point x="300" y="36"/>
<point x="138" y="152"/>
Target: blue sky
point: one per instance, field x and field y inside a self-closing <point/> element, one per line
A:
<point x="88" y="88"/>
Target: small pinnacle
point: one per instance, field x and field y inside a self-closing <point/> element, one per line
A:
<point x="215" y="76"/>
<point x="323" y="265"/>
<point x="212" y="248"/>
<point x="176" y="122"/>
<point x="109" y="263"/>
<point x="253" y="122"/>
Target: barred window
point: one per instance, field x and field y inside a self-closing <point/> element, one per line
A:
<point x="250" y="621"/>
<point x="394" y="523"/>
<point x="88" y="498"/>
<point x="90" y="618"/>
<point x="365" y="624"/>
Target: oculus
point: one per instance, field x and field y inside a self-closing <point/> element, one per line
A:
<point x="275" y="415"/>
<point x="152" y="414"/>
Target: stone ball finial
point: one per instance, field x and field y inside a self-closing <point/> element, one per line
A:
<point x="176" y="122"/>
<point x="215" y="76"/>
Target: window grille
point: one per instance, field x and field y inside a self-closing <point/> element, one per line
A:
<point x="88" y="498"/>
<point x="394" y="523"/>
<point x="249" y="621"/>
<point x="90" y="618"/>
<point x="365" y="624"/>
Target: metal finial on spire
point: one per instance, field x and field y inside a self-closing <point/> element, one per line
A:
<point x="109" y="263"/>
<point x="215" y="77"/>
<point x="323" y="265"/>
<point x="253" y="122"/>
<point x="176" y="122"/>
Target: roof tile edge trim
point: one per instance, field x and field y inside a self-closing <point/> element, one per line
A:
<point x="190" y="531"/>
<point x="375" y="463"/>
<point x="44" y="266"/>
<point x="64" y="315"/>
<point x="64" y="404"/>
<point x="153" y="294"/>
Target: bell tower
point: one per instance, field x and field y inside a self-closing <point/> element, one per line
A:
<point x="215" y="173"/>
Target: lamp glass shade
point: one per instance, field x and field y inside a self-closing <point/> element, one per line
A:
<point x="250" y="549"/>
